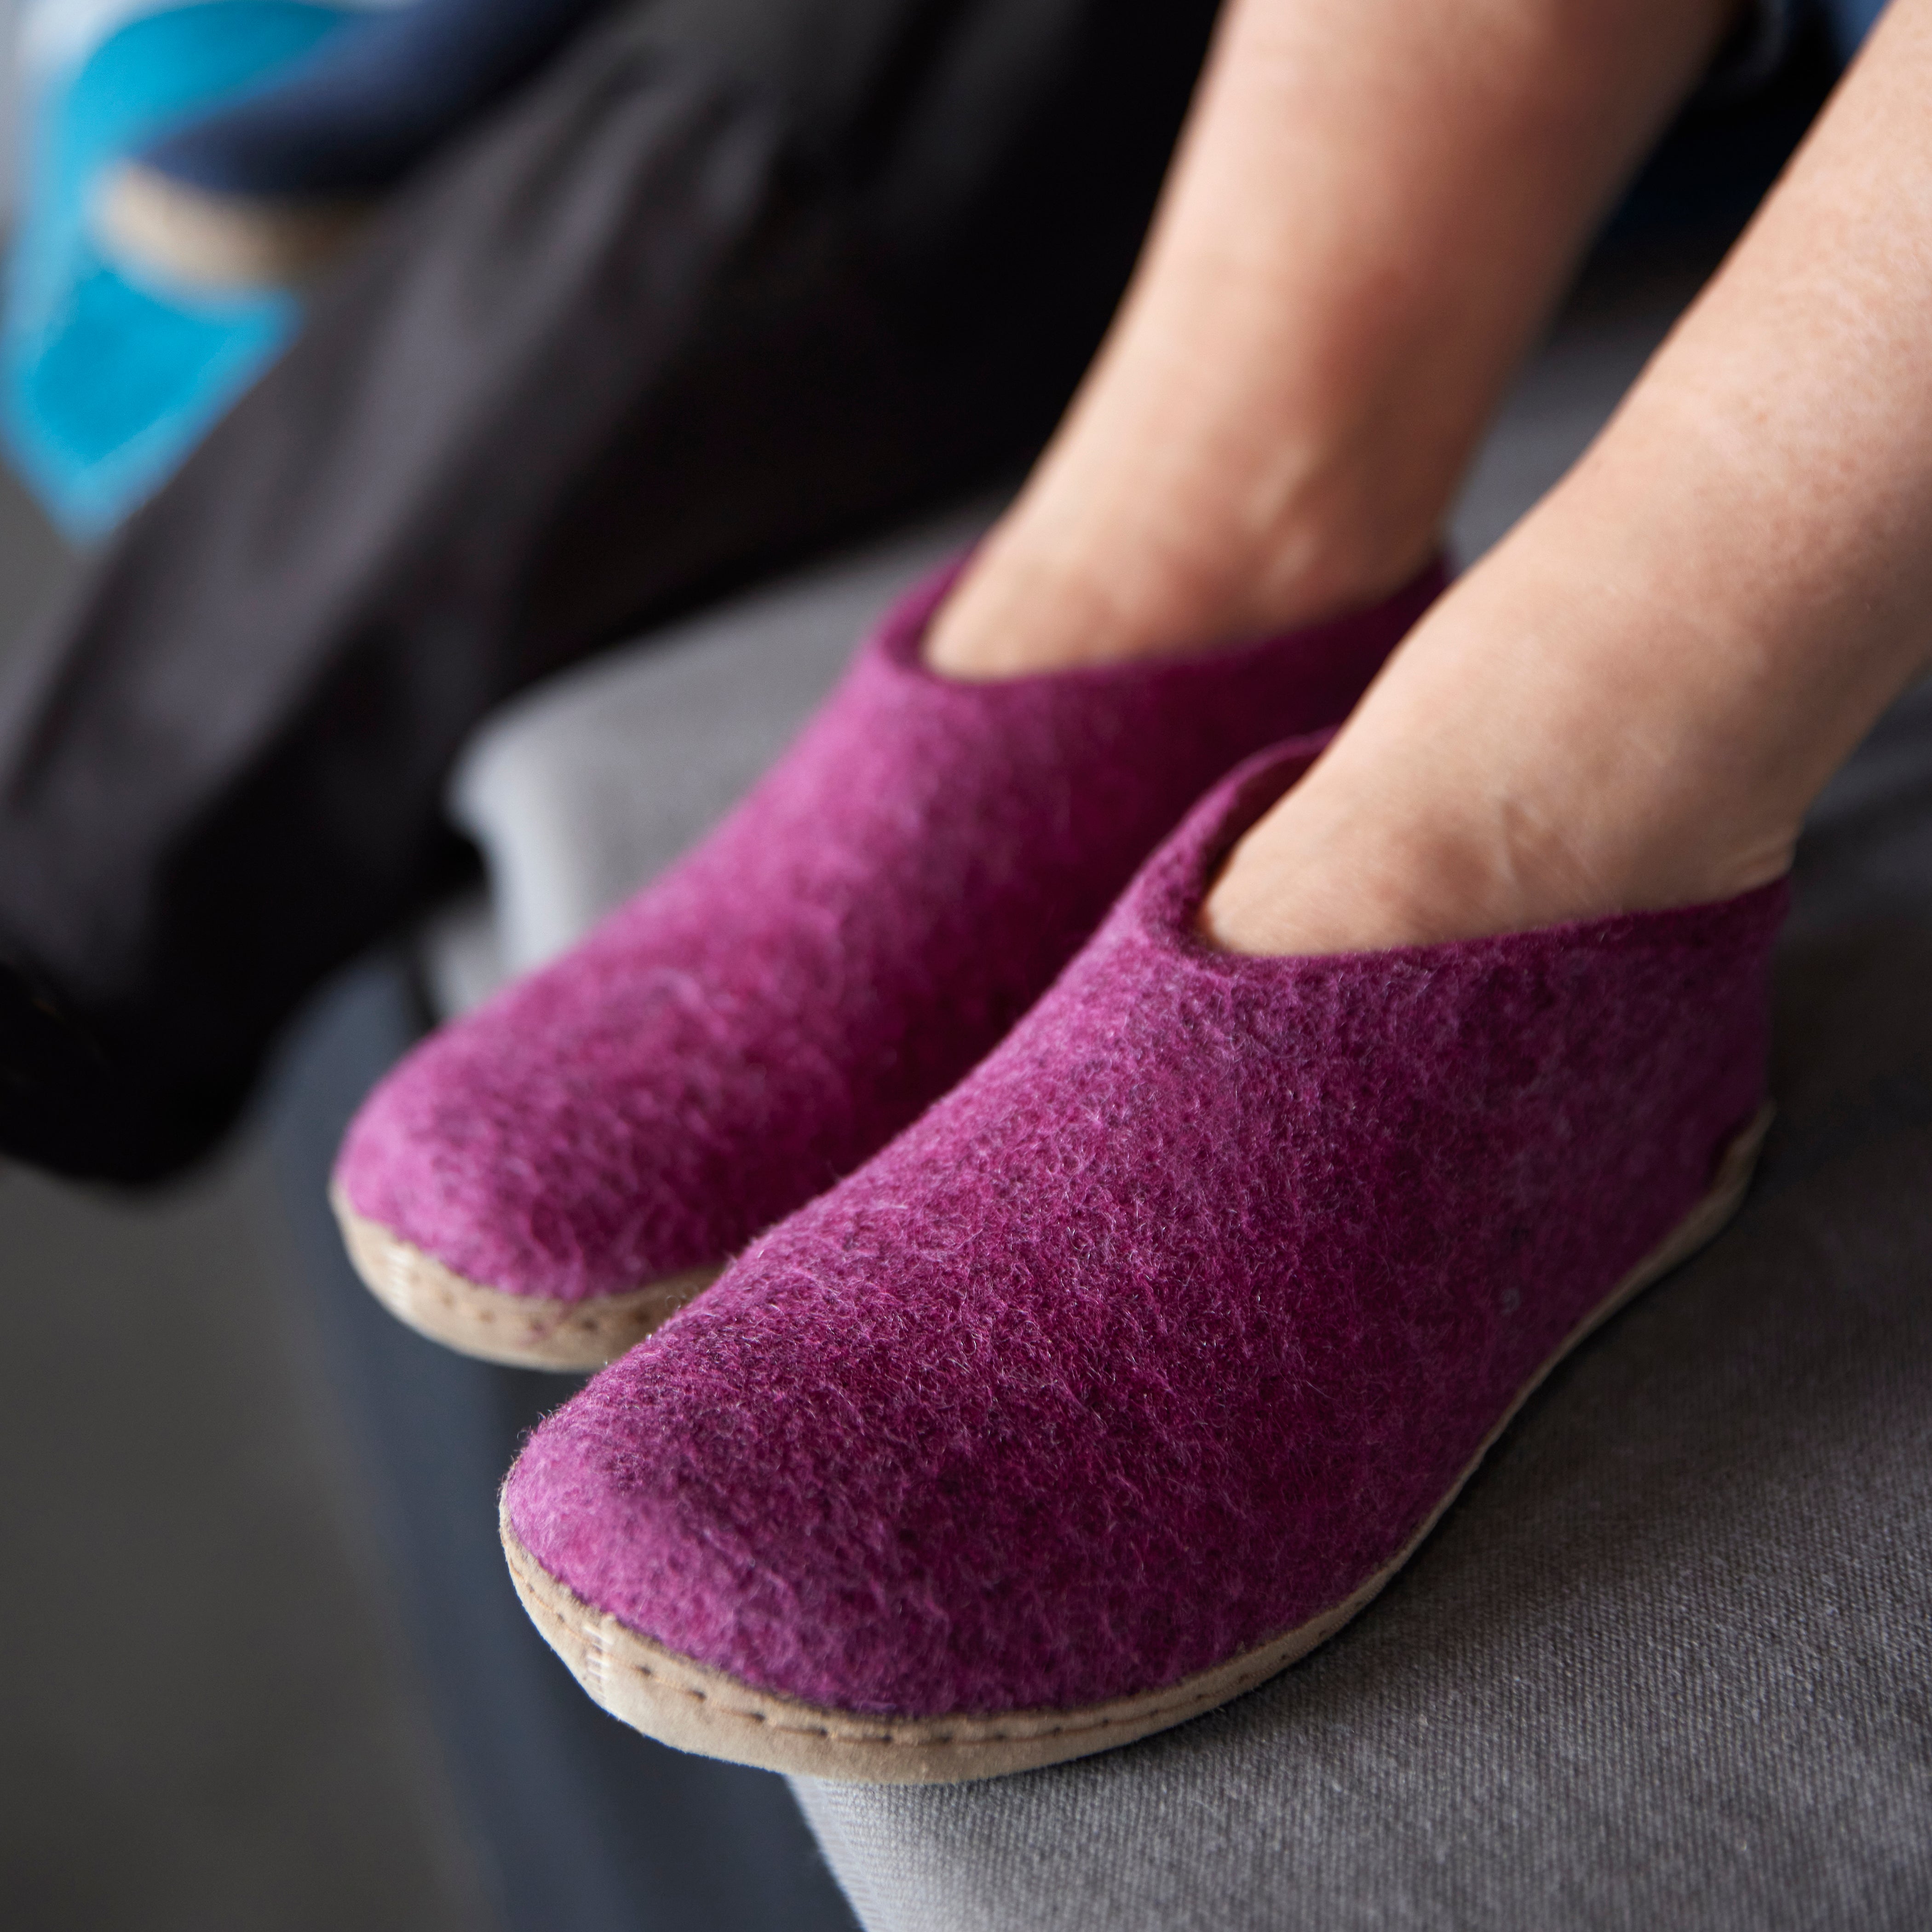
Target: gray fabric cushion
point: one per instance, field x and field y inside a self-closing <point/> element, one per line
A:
<point x="1666" y="1664"/>
<point x="583" y="789"/>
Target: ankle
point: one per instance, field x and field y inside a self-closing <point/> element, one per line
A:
<point x="1051" y="590"/>
<point x="1313" y="880"/>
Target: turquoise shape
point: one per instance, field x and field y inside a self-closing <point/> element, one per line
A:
<point x="107" y="385"/>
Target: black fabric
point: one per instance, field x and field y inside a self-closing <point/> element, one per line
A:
<point x="729" y="281"/>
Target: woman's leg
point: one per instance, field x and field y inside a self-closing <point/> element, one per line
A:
<point x="1374" y="208"/>
<point x="1632" y="701"/>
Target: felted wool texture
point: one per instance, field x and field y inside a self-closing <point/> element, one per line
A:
<point x="1170" y="1325"/>
<point x="875" y="915"/>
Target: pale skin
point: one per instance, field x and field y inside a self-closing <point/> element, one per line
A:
<point x="1630" y="703"/>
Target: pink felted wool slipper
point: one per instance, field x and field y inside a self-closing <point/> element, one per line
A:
<point x="1137" y="1365"/>
<point x="545" y="1180"/>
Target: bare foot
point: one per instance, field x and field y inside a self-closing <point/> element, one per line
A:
<point x="1633" y="702"/>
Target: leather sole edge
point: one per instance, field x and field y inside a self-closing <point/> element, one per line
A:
<point x="219" y="245"/>
<point x="519" y="1330"/>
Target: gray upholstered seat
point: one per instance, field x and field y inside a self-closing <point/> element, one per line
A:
<point x="1668" y="1663"/>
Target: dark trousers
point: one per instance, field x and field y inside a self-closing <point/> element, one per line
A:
<point x="732" y="279"/>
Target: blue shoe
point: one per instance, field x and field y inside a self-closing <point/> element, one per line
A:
<point x="108" y="378"/>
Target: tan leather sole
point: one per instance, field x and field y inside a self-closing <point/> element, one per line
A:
<point x="526" y="1331"/>
<point x="688" y="1704"/>
<point x="219" y="243"/>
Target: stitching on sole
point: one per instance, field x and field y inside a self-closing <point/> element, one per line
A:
<point x="1267" y="1663"/>
<point x="890" y="1740"/>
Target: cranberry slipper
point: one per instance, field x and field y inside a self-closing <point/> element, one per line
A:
<point x="1139" y="1364"/>
<point x="546" y="1180"/>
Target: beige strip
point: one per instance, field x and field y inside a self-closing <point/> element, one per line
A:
<point x="219" y="243"/>
<point x="526" y="1331"/>
<point x="682" y="1702"/>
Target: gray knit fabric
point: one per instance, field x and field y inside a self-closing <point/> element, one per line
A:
<point x="1669" y="1662"/>
<point x="1667" y="1665"/>
<point x="596" y="780"/>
